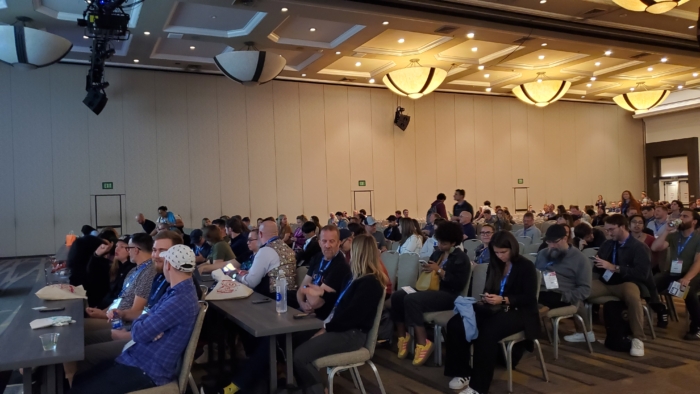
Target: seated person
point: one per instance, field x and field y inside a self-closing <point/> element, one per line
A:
<point x="586" y="236"/>
<point x="430" y="245"/>
<point x="371" y="228"/>
<point x="429" y="227"/>
<point x="658" y="225"/>
<point x="570" y="283"/>
<point x="488" y="217"/>
<point x="544" y="245"/>
<point x="465" y="220"/>
<point x="637" y="227"/>
<point x="159" y="336"/>
<point x="599" y="219"/>
<point x="682" y="265"/>
<point x="346" y="235"/>
<point x="118" y="270"/>
<point x="163" y="241"/>
<point x="511" y="281"/>
<point x="239" y="238"/>
<point x="392" y="232"/>
<point x="502" y="222"/>
<point x="200" y="246"/>
<point x="97" y="274"/>
<point x="254" y="246"/>
<point x="311" y="247"/>
<point x="622" y="265"/>
<point x="452" y="266"/>
<point x="80" y="252"/>
<point x="482" y="252"/>
<point x="411" y="238"/>
<point x="220" y="250"/>
<point x="529" y="230"/>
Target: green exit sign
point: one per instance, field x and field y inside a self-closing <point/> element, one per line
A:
<point x="362" y="183"/>
<point x="520" y="181"/>
<point x="107" y="185"/>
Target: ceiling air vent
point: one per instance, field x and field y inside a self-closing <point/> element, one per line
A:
<point x="640" y="55"/>
<point x="523" y="40"/>
<point x="446" y="30"/>
<point x="174" y="35"/>
<point x="346" y="79"/>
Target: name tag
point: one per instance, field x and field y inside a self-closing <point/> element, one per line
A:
<point x="607" y="275"/>
<point x="677" y="266"/>
<point x="550" y="280"/>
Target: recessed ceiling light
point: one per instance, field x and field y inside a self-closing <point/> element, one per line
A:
<point x="385" y="23"/>
<point x="540" y="57"/>
<point x="593" y="78"/>
<point x="358" y="64"/>
<point x="86" y="37"/>
<point x="544" y="44"/>
<point x="664" y="60"/>
<point x="691" y="26"/>
<point x="680" y="86"/>
<point x="597" y="64"/>
<point x="285" y="9"/>
<point x="312" y="29"/>
<point x="303" y="75"/>
<point x="487" y="75"/>
<point x="192" y="47"/>
<point x="337" y="53"/>
<point x="213" y="17"/>
<point x="583" y="96"/>
<point x="695" y="74"/>
<point x="631" y="89"/>
<point x="650" y="69"/>
<point x="401" y="40"/>
<point x="543" y="1"/>
<point x="470" y="35"/>
<point x="474" y="49"/>
<point x="539" y="79"/>
<point x="589" y="85"/>
<point x="136" y="60"/>
<point x="608" y="53"/>
<point x="488" y="89"/>
<point x="148" y="33"/>
<point x="371" y="80"/>
<point x="480" y="67"/>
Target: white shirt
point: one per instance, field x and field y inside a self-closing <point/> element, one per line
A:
<point x="428" y="248"/>
<point x="412" y="245"/>
<point x="264" y="261"/>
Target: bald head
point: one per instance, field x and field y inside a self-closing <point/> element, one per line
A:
<point x="140" y="218"/>
<point x="267" y="230"/>
<point x="465" y="217"/>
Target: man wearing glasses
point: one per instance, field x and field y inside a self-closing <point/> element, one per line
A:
<point x="529" y="230"/>
<point x="624" y="271"/>
<point x="482" y="252"/>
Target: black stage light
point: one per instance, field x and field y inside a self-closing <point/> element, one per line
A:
<point x="401" y="120"/>
<point x="96" y="100"/>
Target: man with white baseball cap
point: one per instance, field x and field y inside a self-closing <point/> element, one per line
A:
<point x="160" y="336"/>
<point x="371" y="227"/>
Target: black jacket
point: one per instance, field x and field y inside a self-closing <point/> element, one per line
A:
<point x="635" y="265"/>
<point x="78" y="257"/>
<point x="97" y="280"/>
<point x="521" y="290"/>
<point x="456" y="270"/>
<point x="358" y="307"/>
<point x="392" y="233"/>
<point x="312" y="249"/>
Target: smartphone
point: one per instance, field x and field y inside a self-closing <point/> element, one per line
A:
<point x="592" y="257"/>
<point x="228" y="268"/>
<point x="262" y="301"/>
<point x="481" y="296"/>
<point x="52" y="309"/>
<point x="303" y="315"/>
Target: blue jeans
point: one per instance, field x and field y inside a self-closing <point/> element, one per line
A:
<point x="110" y="377"/>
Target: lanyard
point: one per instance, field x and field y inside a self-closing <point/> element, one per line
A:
<point x="615" y="250"/>
<point x="524" y="231"/>
<point x="342" y="294"/>
<point x="681" y="247"/>
<point x="271" y="240"/>
<point x="321" y="270"/>
<point x="133" y="277"/>
<point x="481" y="255"/>
<point x="658" y="226"/>
<point x="503" y="281"/>
<point x="160" y="286"/>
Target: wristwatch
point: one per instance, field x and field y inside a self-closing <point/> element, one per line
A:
<point x="439" y="271"/>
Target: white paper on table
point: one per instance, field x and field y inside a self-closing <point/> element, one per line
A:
<point x="50" y="321"/>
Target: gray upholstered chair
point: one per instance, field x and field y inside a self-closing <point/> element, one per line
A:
<point x="351" y="360"/>
<point x="555" y="315"/>
<point x="301" y="274"/>
<point x="180" y="386"/>
<point x="408" y="270"/>
<point x="391" y="263"/>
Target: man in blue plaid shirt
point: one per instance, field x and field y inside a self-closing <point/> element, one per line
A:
<point x="159" y="337"/>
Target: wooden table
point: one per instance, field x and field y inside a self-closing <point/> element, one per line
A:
<point x="21" y="347"/>
<point x="262" y="320"/>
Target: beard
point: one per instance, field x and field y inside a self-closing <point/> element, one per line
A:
<point x="684" y="226"/>
<point x="556" y="254"/>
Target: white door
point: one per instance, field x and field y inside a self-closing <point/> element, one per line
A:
<point x="363" y="200"/>
<point x="684" y="196"/>
<point x="521" y="198"/>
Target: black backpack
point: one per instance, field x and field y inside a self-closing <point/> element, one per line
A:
<point x="617" y="326"/>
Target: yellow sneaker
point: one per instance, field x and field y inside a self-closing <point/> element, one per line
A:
<point x="403" y="346"/>
<point x="422" y="353"/>
<point x="231" y="389"/>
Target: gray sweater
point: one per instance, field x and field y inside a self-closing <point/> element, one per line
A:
<point x="574" y="274"/>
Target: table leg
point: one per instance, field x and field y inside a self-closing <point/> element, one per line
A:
<point x="51" y="379"/>
<point x="290" y="360"/>
<point x="60" y="375"/>
<point x="273" y="364"/>
<point x="27" y="379"/>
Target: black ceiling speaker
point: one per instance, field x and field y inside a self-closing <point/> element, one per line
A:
<point x="401" y="120"/>
<point x="96" y="100"/>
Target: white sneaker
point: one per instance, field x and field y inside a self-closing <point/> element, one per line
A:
<point x="469" y="390"/>
<point x="637" y="349"/>
<point x="578" y="337"/>
<point x="459" y="383"/>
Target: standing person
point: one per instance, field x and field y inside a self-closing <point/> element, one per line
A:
<point x="658" y="225"/>
<point x="600" y="203"/>
<point x="465" y="220"/>
<point x="682" y="265"/>
<point x="482" y="252"/>
<point x="167" y="217"/>
<point x="461" y="204"/>
<point x="452" y="266"/>
<point x="298" y="238"/>
<point x="148" y="226"/>
<point x="645" y="200"/>
<point x="332" y="220"/>
<point x="511" y="282"/>
<point x="284" y="230"/>
<point x="629" y="202"/>
<point x="438" y="207"/>
<point x="342" y="221"/>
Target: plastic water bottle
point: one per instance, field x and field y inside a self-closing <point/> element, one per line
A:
<point x="116" y="322"/>
<point x="281" y="289"/>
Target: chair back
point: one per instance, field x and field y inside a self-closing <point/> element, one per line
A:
<point x="465" y="291"/>
<point x="395" y="246"/>
<point x="391" y="263"/>
<point x="478" y="279"/>
<point x="590" y="252"/>
<point x="539" y="283"/>
<point x="471" y="245"/>
<point x="525" y="240"/>
<point x="522" y="248"/>
<point x="408" y="270"/>
<point x="188" y="357"/>
<point x="301" y="274"/>
<point x="371" y="343"/>
<point x="205" y="291"/>
<point x="532" y="248"/>
<point x="517" y="227"/>
<point x="546" y="225"/>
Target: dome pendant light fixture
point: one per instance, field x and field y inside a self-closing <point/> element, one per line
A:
<point x="250" y="67"/>
<point x="541" y="92"/>
<point x="26" y="48"/>
<point x="414" y="81"/>
<point x="641" y="100"/>
<point x="650" y="6"/>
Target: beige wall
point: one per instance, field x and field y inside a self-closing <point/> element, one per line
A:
<point x="204" y="145"/>
<point x="673" y="126"/>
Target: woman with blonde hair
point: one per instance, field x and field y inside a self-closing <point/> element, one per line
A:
<point x="284" y="231"/>
<point x="411" y="240"/>
<point x="352" y="318"/>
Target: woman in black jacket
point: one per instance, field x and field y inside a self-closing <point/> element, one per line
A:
<point x="511" y="282"/>
<point x="452" y="266"/>
<point x="121" y="266"/>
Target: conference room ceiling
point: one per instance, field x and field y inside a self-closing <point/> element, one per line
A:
<point x="358" y="42"/>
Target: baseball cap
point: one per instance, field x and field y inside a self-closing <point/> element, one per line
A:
<point x="345" y="234"/>
<point x="369" y="221"/>
<point x="125" y="238"/>
<point x="181" y="257"/>
<point x="555" y="232"/>
<point x="196" y="235"/>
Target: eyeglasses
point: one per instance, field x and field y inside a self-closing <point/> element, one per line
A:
<point x="251" y="240"/>
<point x="486" y="233"/>
<point x="128" y="248"/>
